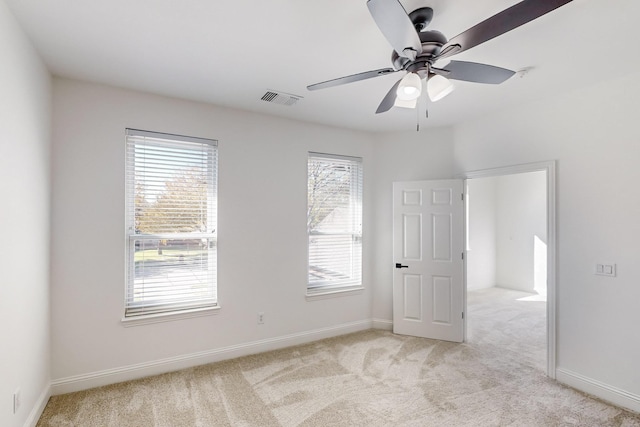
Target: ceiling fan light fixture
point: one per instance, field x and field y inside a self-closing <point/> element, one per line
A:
<point x="410" y="87"/>
<point x="438" y="87"/>
<point x="405" y="104"/>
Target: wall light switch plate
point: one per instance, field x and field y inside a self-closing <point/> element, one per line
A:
<point x="16" y="400"/>
<point x="605" y="270"/>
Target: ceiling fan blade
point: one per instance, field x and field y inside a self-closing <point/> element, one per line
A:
<point x="500" y="23"/>
<point x="389" y="99"/>
<point x="352" y="78"/>
<point x="474" y="72"/>
<point x="396" y="26"/>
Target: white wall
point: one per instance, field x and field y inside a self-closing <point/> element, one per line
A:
<point x="24" y="224"/>
<point x="521" y="215"/>
<point x="262" y="234"/>
<point x="404" y="156"/>
<point x="262" y="238"/>
<point x="481" y="252"/>
<point x="505" y="214"/>
<point x="593" y="134"/>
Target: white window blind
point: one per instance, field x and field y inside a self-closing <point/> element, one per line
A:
<point x="171" y="214"/>
<point x="334" y="222"/>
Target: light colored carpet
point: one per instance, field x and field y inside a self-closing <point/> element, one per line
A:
<point x="371" y="378"/>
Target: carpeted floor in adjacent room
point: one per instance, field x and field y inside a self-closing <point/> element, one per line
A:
<point x="370" y="378"/>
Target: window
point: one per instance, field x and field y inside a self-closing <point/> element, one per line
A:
<point x="171" y="214"/>
<point x="334" y="222"/>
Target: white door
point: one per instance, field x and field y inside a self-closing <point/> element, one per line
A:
<point x="428" y="285"/>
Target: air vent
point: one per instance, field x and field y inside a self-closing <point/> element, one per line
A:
<point x="281" y="98"/>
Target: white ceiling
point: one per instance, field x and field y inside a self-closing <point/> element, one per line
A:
<point x="230" y="52"/>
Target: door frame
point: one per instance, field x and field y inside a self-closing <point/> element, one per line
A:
<point x="550" y="168"/>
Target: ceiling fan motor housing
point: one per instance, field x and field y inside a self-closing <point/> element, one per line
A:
<point x="421" y="18"/>
<point x="432" y="42"/>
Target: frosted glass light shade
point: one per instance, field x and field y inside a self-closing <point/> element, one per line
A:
<point x="438" y="87"/>
<point x="405" y="104"/>
<point x="410" y="87"/>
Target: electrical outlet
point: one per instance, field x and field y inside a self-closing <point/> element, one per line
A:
<point x="260" y="318"/>
<point x="16" y="400"/>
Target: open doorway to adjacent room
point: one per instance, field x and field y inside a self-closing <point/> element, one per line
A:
<point x="507" y="271"/>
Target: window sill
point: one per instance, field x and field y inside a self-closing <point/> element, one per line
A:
<point x="335" y="293"/>
<point x="128" y="322"/>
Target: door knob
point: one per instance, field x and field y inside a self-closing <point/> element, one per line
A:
<point x="398" y="265"/>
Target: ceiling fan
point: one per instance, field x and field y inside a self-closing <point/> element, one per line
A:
<point x="417" y="49"/>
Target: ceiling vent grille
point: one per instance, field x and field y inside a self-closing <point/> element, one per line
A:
<point x="281" y="98"/>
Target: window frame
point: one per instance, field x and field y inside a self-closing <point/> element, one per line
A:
<point x="354" y="283"/>
<point x="163" y="309"/>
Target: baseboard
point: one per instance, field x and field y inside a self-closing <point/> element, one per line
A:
<point x="600" y="390"/>
<point x="38" y="408"/>
<point x="155" y="367"/>
<point x="384" y="324"/>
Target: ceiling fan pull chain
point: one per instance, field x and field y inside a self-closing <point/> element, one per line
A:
<point x="418" y="117"/>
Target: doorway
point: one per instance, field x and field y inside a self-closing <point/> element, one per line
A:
<point x="510" y="242"/>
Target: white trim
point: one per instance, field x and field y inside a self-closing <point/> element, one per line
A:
<point x="333" y="293"/>
<point x="550" y="168"/>
<point x="169" y="136"/>
<point x="335" y="156"/>
<point x="38" y="408"/>
<point x="155" y="367"/>
<point x="508" y="170"/>
<point x="384" y="324"/>
<point x="599" y="389"/>
<point x="170" y="316"/>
